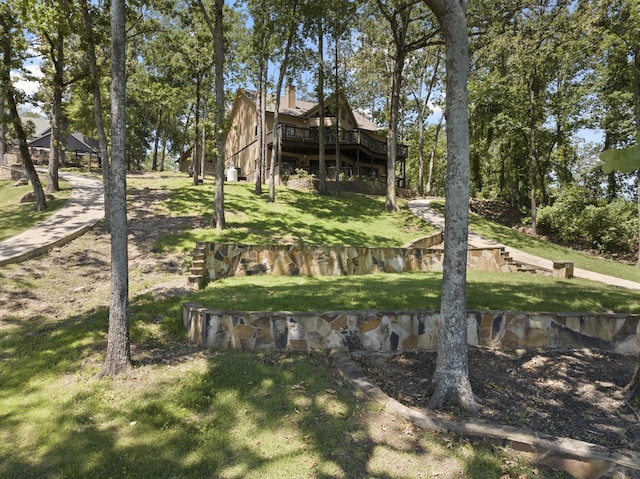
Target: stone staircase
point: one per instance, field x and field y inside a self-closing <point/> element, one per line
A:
<point x="522" y="267"/>
<point x="196" y="273"/>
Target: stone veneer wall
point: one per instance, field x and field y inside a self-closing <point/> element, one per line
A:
<point x="222" y="260"/>
<point x="406" y="330"/>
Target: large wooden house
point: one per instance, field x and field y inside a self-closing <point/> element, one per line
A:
<point x="362" y="147"/>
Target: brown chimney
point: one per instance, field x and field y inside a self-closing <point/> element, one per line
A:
<point x="290" y="95"/>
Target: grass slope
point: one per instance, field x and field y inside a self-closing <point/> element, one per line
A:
<point x="544" y="249"/>
<point x="296" y="217"/>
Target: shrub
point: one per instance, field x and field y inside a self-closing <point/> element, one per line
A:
<point x="602" y="226"/>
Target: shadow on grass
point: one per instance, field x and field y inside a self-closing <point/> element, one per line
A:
<point x="188" y="413"/>
<point x="296" y="216"/>
<point x="213" y="414"/>
<point x="382" y="291"/>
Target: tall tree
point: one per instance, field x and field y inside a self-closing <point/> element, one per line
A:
<point x="423" y="89"/>
<point x="288" y="14"/>
<point x="53" y="24"/>
<point x="620" y="21"/>
<point x="410" y="30"/>
<point x="216" y="28"/>
<point x="118" y="357"/>
<point x="451" y="378"/>
<point x="10" y="33"/>
<point x="92" y="60"/>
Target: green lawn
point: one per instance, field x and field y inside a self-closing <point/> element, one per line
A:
<point x="211" y="414"/>
<point x="498" y="291"/>
<point x="17" y="217"/>
<point x="544" y="249"/>
<point x="295" y="217"/>
<point x="230" y="414"/>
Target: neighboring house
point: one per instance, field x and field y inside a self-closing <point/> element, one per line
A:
<point x="363" y="148"/>
<point x="77" y="147"/>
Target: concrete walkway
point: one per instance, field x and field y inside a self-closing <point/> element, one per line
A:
<point x="81" y="212"/>
<point x="422" y="208"/>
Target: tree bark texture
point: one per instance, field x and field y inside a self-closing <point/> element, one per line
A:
<point x="118" y="358"/>
<point x="220" y="130"/>
<point x="451" y="378"/>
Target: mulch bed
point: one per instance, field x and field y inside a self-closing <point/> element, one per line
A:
<point x="574" y="393"/>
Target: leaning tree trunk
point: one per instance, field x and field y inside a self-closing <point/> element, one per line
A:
<point x="451" y="378"/>
<point x="41" y="200"/>
<point x="118" y="358"/>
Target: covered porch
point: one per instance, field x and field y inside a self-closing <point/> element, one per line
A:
<point x="361" y="154"/>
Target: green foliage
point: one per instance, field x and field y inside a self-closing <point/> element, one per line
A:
<point x="624" y="161"/>
<point x="602" y="226"/>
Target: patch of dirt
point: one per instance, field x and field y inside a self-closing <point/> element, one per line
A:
<point x="79" y="271"/>
<point x="574" y="394"/>
<point x="497" y="211"/>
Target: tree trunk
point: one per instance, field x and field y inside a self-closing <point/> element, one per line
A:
<point x="260" y="122"/>
<point x="97" y="107"/>
<point x="7" y="52"/>
<point x="337" y="125"/>
<point x="432" y="157"/>
<point x="196" y="134"/>
<point x="322" y="130"/>
<point x="118" y="357"/>
<point x="392" y="142"/>
<point x="420" y="147"/>
<point x="56" y="143"/>
<point x="636" y="100"/>
<point x="533" y="155"/>
<point x="275" y="152"/>
<point x="164" y="145"/>
<point x="451" y="378"/>
<point x="156" y="141"/>
<point x="220" y="146"/>
<point x="3" y="140"/>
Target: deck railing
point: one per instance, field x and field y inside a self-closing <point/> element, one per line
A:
<point x="348" y="138"/>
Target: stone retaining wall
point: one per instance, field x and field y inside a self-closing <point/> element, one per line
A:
<point x="406" y="330"/>
<point x="223" y="260"/>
